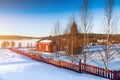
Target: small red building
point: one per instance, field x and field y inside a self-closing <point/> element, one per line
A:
<point x="46" y="46"/>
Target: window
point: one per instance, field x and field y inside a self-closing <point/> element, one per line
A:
<point x="46" y="47"/>
<point x="39" y="47"/>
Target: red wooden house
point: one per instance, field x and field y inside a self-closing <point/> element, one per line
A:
<point x="46" y="46"/>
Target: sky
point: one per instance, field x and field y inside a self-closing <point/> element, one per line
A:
<point x="37" y="17"/>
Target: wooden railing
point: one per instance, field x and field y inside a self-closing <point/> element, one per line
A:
<point x="106" y="73"/>
<point x="116" y="75"/>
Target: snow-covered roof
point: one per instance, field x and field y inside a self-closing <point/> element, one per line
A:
<point x="46" y="41"/>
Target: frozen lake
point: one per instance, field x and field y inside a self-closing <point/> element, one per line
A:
<point x="24" y="42"/>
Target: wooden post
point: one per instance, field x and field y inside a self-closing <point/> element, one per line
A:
<point x="115" y="75"/>
<point x="59" y="63"/>
<point x="108" y="74"/>
<point x="80" y="66"/>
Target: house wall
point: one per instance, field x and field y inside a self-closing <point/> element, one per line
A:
<point x="44" y="47"/>
<point x="37" y="46"/>
<point x="52" y="46"/>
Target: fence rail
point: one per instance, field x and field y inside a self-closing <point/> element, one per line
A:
<point x="106" y="73"/>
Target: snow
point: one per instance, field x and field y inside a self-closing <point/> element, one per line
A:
<point x="93" y="60"/>
<point x="18" y="67"/>
<point x="46" y="41"/>
<point x="24" y="42"/>
<point x="14" y="66"/>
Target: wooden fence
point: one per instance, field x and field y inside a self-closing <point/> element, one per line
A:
<point x="116" y="75"/>
<point x="106" y="73"/>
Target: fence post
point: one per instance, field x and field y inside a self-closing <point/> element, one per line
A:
<point x="115" y="75"/>
<point x="59" y="63"/>
<point x="80" y="66"/>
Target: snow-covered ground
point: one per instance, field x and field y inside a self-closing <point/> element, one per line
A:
<point x="18" y="67"/>
<point x="93" y="60"/>
<point x="14" y="66"/>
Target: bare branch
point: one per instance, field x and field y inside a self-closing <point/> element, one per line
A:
<point x="86" y="23"/>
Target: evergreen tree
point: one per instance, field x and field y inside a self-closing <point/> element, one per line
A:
<point x="73" y="46"/>
<point x="73" y="29"/>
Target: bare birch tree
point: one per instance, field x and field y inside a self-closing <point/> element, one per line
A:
<point x="56" y="31"/>
<point x="110" y="23"/>
<point x="86" y="23"/>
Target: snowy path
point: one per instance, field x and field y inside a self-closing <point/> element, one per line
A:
<point x="18" y="67"/>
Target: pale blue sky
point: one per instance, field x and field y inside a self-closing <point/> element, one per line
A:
<point x="31" y="25"/>
<point x="37" y="17"/>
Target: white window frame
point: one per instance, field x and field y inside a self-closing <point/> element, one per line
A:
<point x="46" y="47"/>
<point x="39" y="47"/>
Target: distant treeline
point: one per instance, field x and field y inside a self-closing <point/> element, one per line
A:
<point x="103" y="36"/>
<point x="15" y="37"/>
<point x="92" y="36"/>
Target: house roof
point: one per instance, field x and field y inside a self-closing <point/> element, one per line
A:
<point x="46" y="41"/>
